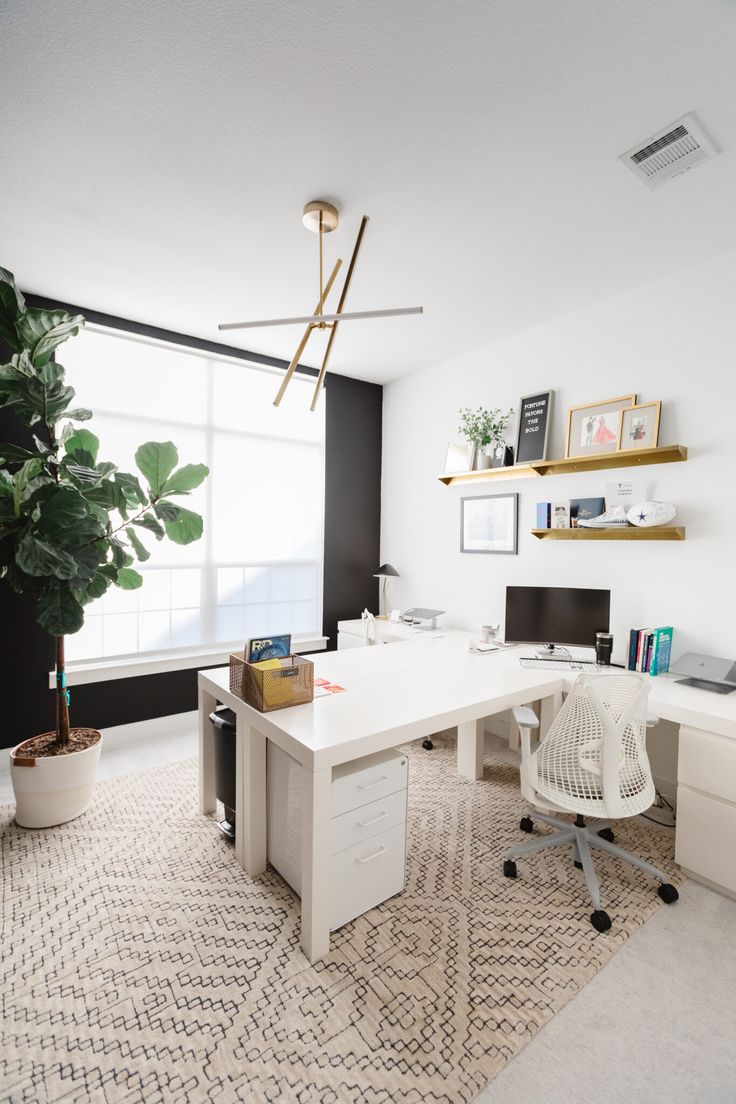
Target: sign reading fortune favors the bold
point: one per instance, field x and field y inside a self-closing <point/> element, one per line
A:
<point x="535" y="412"/>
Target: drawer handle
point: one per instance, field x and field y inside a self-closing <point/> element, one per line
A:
<point x="376" y="819"/>
<point x="369" y="858"/>
<point x="372" y="785"/>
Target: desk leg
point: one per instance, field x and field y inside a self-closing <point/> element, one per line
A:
<point x="470" y="740"/>
<point x="207" y="799"/>
<point x="250" y="797"/>
<point x="549" y="709"/>
<point x="315" y="938"/>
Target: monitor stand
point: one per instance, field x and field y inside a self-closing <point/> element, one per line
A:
<point x="553" y="651"/>
<point x="703" y="684"/>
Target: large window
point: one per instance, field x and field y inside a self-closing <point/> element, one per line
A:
<point x="258" y="567"/>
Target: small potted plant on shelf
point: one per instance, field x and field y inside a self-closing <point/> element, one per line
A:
<point x="70" y="528"/>
<point x="485" y="429"/>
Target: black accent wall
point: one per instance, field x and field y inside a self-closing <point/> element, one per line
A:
<point x="352" y="530"/>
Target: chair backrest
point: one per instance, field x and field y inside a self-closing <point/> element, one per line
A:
<point x="595" y="749"/>
<point x="371" y="631"/>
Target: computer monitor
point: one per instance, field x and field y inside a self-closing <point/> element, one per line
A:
<point x="556" y="615"/>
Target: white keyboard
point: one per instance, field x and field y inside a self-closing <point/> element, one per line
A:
<point x="559" y="664"/>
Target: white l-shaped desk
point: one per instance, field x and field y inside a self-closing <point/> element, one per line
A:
<point x="414" y="689"/>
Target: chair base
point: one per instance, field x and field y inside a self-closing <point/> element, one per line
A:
<point x="583" y="836"/>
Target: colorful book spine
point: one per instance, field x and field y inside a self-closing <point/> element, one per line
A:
<point x="661" y="651"/>
<point x="633" y="648"/>
<point x="543" y="515"/>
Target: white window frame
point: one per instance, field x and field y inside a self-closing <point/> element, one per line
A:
<point x="131" y="665"/>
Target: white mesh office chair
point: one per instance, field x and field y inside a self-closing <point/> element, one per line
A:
<point x="592" y="762"/>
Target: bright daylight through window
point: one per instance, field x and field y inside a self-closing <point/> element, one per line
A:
<point x="258" y="567"/>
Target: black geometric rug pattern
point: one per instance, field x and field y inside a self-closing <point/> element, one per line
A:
<point x="140" y="963"/>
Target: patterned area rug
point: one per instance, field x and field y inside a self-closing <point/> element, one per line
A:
<point x="141" y="964"/>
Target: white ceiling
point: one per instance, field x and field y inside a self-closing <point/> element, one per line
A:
<point x="157" y="157"/>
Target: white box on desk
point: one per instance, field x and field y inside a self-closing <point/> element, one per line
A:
<point x="368" y="854"/>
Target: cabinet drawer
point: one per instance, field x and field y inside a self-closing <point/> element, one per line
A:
<point x="366" y="874"/>
<point x="706" y="829"/>
<point x="359" y="825"/>
<point x="707" y="762"/>
<point x="364" y="780"/>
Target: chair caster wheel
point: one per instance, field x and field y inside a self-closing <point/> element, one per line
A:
<point x="600" y="920"/>
<point x="526" y="824"/>
<point x="509" y="868"/>
<point x="579" y="865"/>
<point x="607" y="834"/>
<point x="427" y="744"/>
<point x="668" y="893"/>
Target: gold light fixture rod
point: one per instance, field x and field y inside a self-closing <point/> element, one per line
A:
<point x="302" y="344"/>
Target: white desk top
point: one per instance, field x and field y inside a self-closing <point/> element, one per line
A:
<point x="412" y="689"/>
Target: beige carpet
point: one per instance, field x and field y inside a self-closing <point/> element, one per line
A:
<point x="141" y="964"/>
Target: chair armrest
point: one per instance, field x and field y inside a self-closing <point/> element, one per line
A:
<point x="525" y="717"/>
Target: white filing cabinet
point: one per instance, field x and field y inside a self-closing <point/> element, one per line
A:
<point x="706" y="808"/>
<point x="368" y="829"/>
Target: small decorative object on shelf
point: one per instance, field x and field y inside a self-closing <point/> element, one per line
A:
<point x="645" y="514"/>
<point x="484" y="429"/>
<point x="532" y="431"/>
<point x="594" y="428"/>
<point x="639" y="428"/>
<point x="459" y="458"/>
<point x="560" y="515"/>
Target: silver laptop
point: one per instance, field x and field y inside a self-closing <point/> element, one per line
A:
<point x="707" y="672"/>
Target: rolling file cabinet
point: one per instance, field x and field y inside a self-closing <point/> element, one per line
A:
<point x="706" y="808"/>
<point x="368" y="829"/>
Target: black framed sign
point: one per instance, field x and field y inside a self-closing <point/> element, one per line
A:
<point x="532" y="433"/>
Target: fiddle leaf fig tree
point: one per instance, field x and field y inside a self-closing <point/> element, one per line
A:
<point x="72" y="525"/>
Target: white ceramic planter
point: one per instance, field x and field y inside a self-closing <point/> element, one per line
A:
<point x="56" y="788"/>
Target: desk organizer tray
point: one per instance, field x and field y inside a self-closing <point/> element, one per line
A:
<point x="267" y="688"/>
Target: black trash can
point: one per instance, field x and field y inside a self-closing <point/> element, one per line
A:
<point x="223" y="721"/>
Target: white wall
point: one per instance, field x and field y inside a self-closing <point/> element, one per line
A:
<point x="673" y="340"/>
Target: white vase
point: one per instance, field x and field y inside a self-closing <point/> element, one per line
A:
<point x="482" y="460"/>
<point x="52" y="789"/>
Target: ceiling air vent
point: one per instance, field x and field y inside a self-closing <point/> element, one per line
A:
<point x="669" y="152"/>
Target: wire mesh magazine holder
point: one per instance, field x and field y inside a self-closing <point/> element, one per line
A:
<point x="593" y="762"/>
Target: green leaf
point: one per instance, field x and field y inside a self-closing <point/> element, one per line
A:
<point x="149" y="522"/>
<point x="140" y="549"/>
<point x="120" y="555"/>
<point x="26" y="472"/>
<point x="15" y="452"/>
<point x="156" y="460"/>
<point x="131" y="489"/>
<point x="95" y="588"/>
<point x="128" y="579"/>
<point x="7" y="485"/>
<point x="84" y="441"/>
<point x="59" y="612"/>
<point x="37" y="557"/>
<point x="187" y="527"/>
<point x="12" y="305"/>
<point x="42" y="331"/>
<point x="81" y="414"/>
<point x="167" y="511"/>
<point x="62" y="513"/>
<point x="186" y="479"/>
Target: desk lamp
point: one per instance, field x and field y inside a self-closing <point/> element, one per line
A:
<point x="385" y="572"/>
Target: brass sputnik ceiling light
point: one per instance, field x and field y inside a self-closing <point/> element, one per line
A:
<point x="322" y="218"/>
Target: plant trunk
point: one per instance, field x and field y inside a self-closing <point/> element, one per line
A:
<point x="62" y="695"/>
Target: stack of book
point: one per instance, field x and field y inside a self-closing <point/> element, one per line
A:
<point x="650" y="649"/>
<point x="567" y="515"/>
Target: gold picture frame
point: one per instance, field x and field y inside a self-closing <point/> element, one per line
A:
<point x="638" y="430"/>
<point x="595" y="428"/>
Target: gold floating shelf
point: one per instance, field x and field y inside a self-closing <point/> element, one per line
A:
<point x="630" y="458"/>
<point x="634" y="532"/>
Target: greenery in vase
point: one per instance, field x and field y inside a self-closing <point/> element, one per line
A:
<point x="483" y="427"/>
<point x="71" y="525"/>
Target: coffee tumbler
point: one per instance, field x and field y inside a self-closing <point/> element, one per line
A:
<point x="603" y="648"/>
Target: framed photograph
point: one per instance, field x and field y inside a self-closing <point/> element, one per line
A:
<point x="595" y="427"/>
<point x="460" y="458"/>
<point x="532" y="430"/>
<point x="489" y="524"/>
<point x="639" y="426"/>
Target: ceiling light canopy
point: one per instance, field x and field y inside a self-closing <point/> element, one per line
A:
<point x="322" y="218"/>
